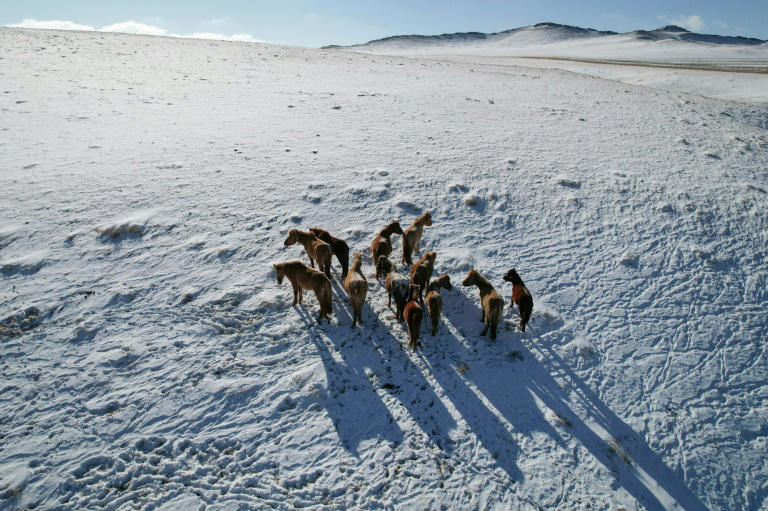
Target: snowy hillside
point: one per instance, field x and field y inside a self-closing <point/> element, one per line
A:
<point x="669" y="58"/>
<point x="149" y="358"/>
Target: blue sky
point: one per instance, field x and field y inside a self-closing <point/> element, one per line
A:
<point x="317" y="23"/>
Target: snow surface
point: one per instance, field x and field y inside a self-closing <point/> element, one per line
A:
<point x="149" y="358"/>
<point x="669" y="58"/>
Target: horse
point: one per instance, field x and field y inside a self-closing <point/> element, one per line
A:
<point x="521" y="297"/>
<point x="491" y="302"/>
<point x="412" y="236"/>
<point x="338" y="246"/>
<point x="356" y="287"/>
<point x="381" y="245"/>
<point x="317" y="250"/>
<point x="310" y="279"/>
<point x="421" y="271"/>
<point x="413" y="316"/>
<point x="435" y="301"/>
<point x="397" y="285"/>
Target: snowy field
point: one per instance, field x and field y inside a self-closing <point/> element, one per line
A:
<point x="149" y="359"/>
<point x="669" y="58"/>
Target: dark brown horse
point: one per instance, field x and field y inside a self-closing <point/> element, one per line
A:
<point x="381" y="245"/>
<point x="421" y="271"/>
<point x="520" y="297"/>
<point x="338" y="246"/>
<point x="413" y="315"/>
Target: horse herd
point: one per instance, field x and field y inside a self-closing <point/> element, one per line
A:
<point x="408" y="291"/>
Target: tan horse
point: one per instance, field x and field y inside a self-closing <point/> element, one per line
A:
<point x="317" y="250"/>
<point x="413" y="316"/>
<point x="303" y="278"/>
<point x="356" y="286"/>
<point x="381" y="245"/>
<point x="435" y="301"/>
<point x="421" y="271"/>
<point x="397" y="285"/>
<point x="491" y="302"/>
<point x="338" y="246"/>
<point x="412" y="236"/>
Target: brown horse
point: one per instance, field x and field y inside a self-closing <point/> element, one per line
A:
<point x="317" y="250"/>
<point x="521" y="297"/>
<point x="303" y="278"/>
<point x="435" y="301"/>
<point x="412" y="236"/>
<point x="491" y="302"/>
<point x="356" y="286"/>
<point x="381" y="245"/>
<point x="421" y="271"/>
<point x="338" y="246"/>
<point x="397" y="285"/>
<point x="413" y="316"/>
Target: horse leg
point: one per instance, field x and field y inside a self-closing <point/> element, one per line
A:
<point x="493" y="331"/>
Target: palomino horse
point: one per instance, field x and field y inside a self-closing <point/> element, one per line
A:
<point x="310" y="279"/>
<point x="435" y="301"/>
<point x="412" y="236"/>
<point x="491" y="302"/>
<point x="317" y="250"/>
<point x="356" y="287"/>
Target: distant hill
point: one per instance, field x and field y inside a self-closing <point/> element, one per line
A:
<point x="547" y="33"/>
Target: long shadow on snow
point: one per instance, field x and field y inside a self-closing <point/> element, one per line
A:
<point x="356" y="410"/>
<point x="361" y="413"/>
<point x="512" y="397"/>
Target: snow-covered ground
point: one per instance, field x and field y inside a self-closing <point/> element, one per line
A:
<point x="150" y="360"/>
<point x="669" y="58"/>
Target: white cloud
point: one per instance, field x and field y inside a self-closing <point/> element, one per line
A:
<point x="248" y="38"/>
<point x="693" y="22"/>
<point x="134" y="27"/>
<point x="51" y="25"/>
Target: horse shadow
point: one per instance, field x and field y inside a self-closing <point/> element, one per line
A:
<point x="370" y="362"/>
<point x="514" y="382"/>
<point x="355" y="408"/>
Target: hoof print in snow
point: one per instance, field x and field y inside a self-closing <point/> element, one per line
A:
<point x="568" y="183"/>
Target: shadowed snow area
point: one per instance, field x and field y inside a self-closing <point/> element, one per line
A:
<point x="149" y="358"/>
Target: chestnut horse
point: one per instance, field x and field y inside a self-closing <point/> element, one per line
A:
<point x="491" y="302"/>
<point x="521" y="297"/>
<point x="317" y="250"/>
<point x="381" y="245"/>
<point x="421" y="271"/>
<point x="435" y="301"/>
<point x="356" y="286"/>
<point x="338" y="246"/>
<point x="413" y="316"/>
<point x="412" y="236"/>
<point x="303" y="278"/>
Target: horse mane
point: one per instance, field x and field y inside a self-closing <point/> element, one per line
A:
<point x="357" y="261"/>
